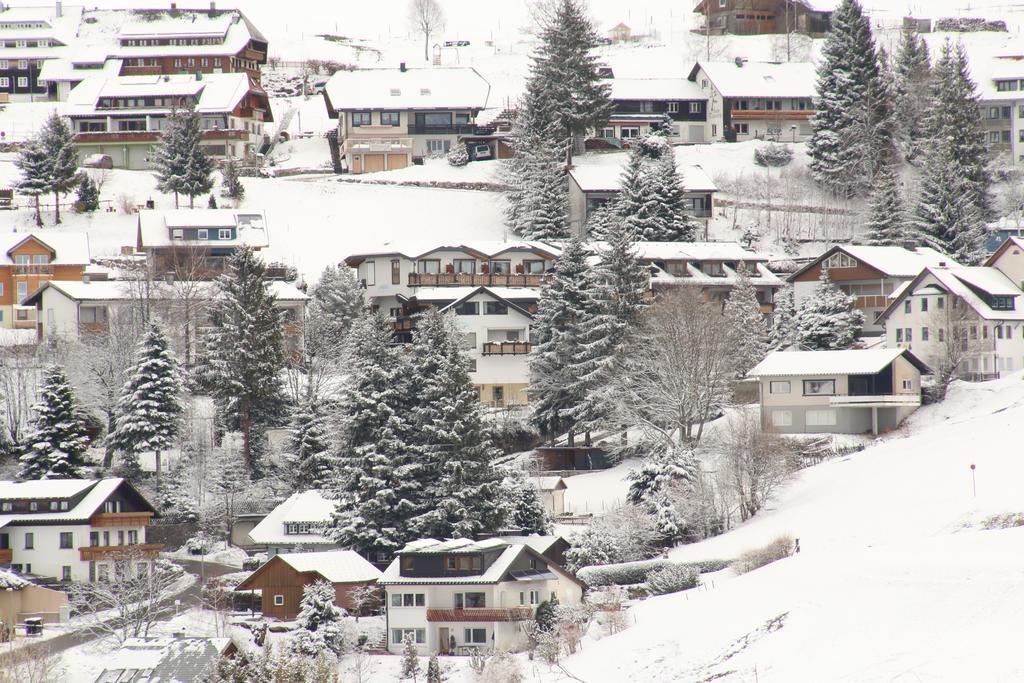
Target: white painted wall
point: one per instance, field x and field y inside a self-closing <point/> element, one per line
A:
<point x="46" y="556"/>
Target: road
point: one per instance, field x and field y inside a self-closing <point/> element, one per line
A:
<point x="190" y="597"/>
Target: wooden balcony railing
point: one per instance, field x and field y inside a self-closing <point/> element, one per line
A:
<point x="770" y="114"/>
<point x="480" y="614"/>
<point x="476" y="279"/>
<point x="101" y="519"/>
<point x="33" y="269"/>
<point x="93" y="328"/>
<point x="512" y="348"/>
<point x="115" y="552"/>
<point x="6" y="555"/>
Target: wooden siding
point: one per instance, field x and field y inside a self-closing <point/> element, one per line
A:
<point x="861" y="272"/>
<point x="34" y="275"/>
<point x="277" y="577"/>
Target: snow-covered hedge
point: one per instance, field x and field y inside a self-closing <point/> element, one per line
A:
<point x="773" y="155"/>
<point x="672" y="579"/>
<point x="781" y="548"/>
<point x="638" y="572"/>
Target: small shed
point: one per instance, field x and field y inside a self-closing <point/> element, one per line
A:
<point x="620" y="33"/>
<point x="552" y="493"/>
<point x="558" y="458"/>
<point x="283" y="577"/>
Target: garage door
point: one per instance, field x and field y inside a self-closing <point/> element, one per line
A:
<point x="696" y="134"/>
<point x="373" y="162"/>
<point x="397" y="161"/>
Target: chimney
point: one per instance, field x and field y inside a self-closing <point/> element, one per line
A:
<point x="199" y="75"/>
<point x="942" y="264"/>
<point x="401" y="67"/>
<point x="58" y="9"/>
<point x="213" y="6"/>
<point x="85" y="278"/>
<point x="174" y="6"/>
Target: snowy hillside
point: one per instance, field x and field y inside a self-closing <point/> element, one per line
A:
<point x="896" y="581"/>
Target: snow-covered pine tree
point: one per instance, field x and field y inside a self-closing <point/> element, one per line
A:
<point x="829" y="319"/>
<point x="410" y="657"/>
<point x="212" y="202"/>
<point x="783" y="319"/>
<point x="434" y="670"/>
<point x="245" y="351"/>
<point x="378" y="468"/>
<point x="665" y="126"/>
<point x="337" y="297"/>
<point x="171" y="156"/>
<point x="667" y="520"/>
<point x="231" y="185"/>
<point x="750" y="330"/>
<point x="313" y="466"/>
<point x="457" y="155"/>
<point x="461" y="486"/>
<point x="59" y="142"/>
<point x="88" y="194"/>
<point x="600" y="220"/>
<point x="880" y="123"/>
<point x="197" y="178"/>
<point x="626" y="280"/>
<point x="664" y="468"/>
<point x="57" y="446"/>
<point x="887" y="222"/>
<point x="842" y="139"/>
<point x="682" y="226"/>
<point x="954" y="121"/>
<point x="523" y="507"/>
<point x="945" y="218"/>
<point x="651" y="198"/>
<point x="913" y="75"/>
<point x="34" y="163"/>
<point x="317" y="609"/>
<point x="149" y="410"/>
<point x="175" y="498"/>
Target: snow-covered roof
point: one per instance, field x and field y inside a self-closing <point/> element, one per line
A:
<point x="69" y="248"/>
<point x="694" y="251"/>
<point x="452" y="545"/>
<point x="821" y="363"/>
<point x="337" y="566"/>
<point x="96" y="492"/>
<point x="191" y="25"/>
<point x="761" y="79"/>
<point x="286" y="291"/>
<point x="413" y="249"/>
<point x="122" y="290"/>
<point x="217" y="93"/>
<point x="57" y="70"/>
<point x="458" y="293"/>
<point x="156" y="227"/>
<point x="493" y="574"/>
<point x="307" y="506"/>
<point x="420" y="88"/>
<point x="608" y="178"/>
<point x="548" y="483"/>
<point x="892" y="261"/>
<point x="44" y="488"/>
<point x="163" y="658"/>
<point x="647" y="89"/>
<point x="539" y="543"/>
<point x="11" y="582"/>
<point x="971" y="284"/>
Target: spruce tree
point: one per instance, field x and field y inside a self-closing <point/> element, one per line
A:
<point x="410" y="657"/>
<point x="913" y="75"/>
<point x="197" y="178"/>
<point x="784" y="315"/>
<point x="663" y="469"/>
<point x="651" y="198"/>
<point x="945" y="218"/>
<point x="626" y="280"/>
<point x="434" y="670"/>
<point x="59" y="143"/>
<point x="231" y="184"/>
<point x="245" y="351"/>
<point x="317" y="610"/>
<point x="171" y="156"/>
<point x="57" y="446"/>
<point x="212" y="202"/>
<point x="750" y="330"/>
<point x="337" y="297"/>
<point x="88" y="194"/>
<point x="523" y="507"/>
<point x="829" y="319"/>
<point x="887" y="222"/>
<point x="174" y="493"/>
<point x="313" y="466"/>
<point x="34" y="163"/>
<point x="149" y="410"/>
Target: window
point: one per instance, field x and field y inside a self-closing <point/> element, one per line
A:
<point x="721" y="3"/>
<point x="53" y="503"/>
<point x="498" y="395"/>
<point x="942" y="335"/>
<point x="501" y="267"/>
<point x="94" y="539"/>
<point x="30" y="542"/>
<point x="398" y="635"/>
<point x="224" y="234"/>
<point x="33" y="506"/>
<point x="906" y="306"/>
<point x="495" y="308"/>
<point x="361" y="118"/>
<point x="428" y="266"/>
<point x="940" y="303"/>
<point x="629" y="132"/>
<point x="533" y="267"/>
<point x="408" y="599"/>
<point x="534" y="597"/>
<point x="695" y="107"/>
<point x="92" y="315"/>
<point x="468" y="308"/>
<point x="606" y="133"/>
<point x="120" y="536"/>
<point x="6" y="507"/>
<point x="22" y="290"/>
<point x="924" y="334"/>
<point x="469" y="341"/>
<point x="908" y="385"/>
<point x="5" y="82"/>
<point x="819" y="387"/>
<point x="779" y="387"/>
<point x="840" y="260"/>
<point x="475" y="635"/>
<point x="821" y="418"/>
<point x="66" y="540"/>
<point x="177" y="234"/>
<point x="924" y="304"/>
<point x="1002" y="303"/>
<point x="65" y="573"/>
<point x="470" y="600"/>
<point x="278" y="600"/>
<point x="390" y="118"/>
<point x="993" y="137"/>
<point x="465" y="266"/>
<point x="908" y="334"/>
<point x="673" y="108"/>
<point x="782" y="418"/>
<point x="438" y="146"/>
<point x="133" y="537"/>
<point x="203" y="234"/>
<point x="22" y="82"/>
<point x="741" y="128"/>
<point x="396" y="272"/>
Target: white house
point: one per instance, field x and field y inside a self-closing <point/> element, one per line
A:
<point x="1001" y="90"/>
<point x="300" y="521"/>
<point x="459" y="596"/>
<point x="838" y="392"/>
<point x="640" y="104"/>
<point x="73" y="529"/>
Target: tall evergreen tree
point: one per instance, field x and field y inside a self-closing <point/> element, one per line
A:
<point x="34" y="163"/>
<point x="313" y="466"/>
<point x="626" y="280"/>
<point x="651" y="198"/>
<point x="661" y="470"/>
<point x="231" y="184"/>
<point x="829" y="319"/>
<point x="88" y="194"/>
<point x="523" y="507"/>
<point x="743" y="316"/>
<point x="149" y="411"/>
<point x="913" y="75"/>
<point x="887" y="222"/>
<point x="245" y="351"/>
<point x="945" y="217"/>
<point x="175" y="498"/>
<point x="171" y="156"/>
<point x="57" y="446"/>
<point x="842" y="141"/>
<point x="59" y="142"/>
<point x="784" y="317"/>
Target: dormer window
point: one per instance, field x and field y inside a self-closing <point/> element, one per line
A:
<point x="177" y="234"/>
<point x="407" y="564"/>
<point x="464" y="563"/>
<point x="6" y="507"/>
<point x="1002" y="303"/>
<point x="839" y="260"/>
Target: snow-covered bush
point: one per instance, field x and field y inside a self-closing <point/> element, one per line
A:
<point x="779" y="549"/>
<point x="627" y="534"/>
<point x="321" y="624"/>
<point x="620" y="574"/>
<point x="773" y="156"/>
<point x="501" y="667"/>
<point x="672" y="578"/>
<point x="458" y="156"/>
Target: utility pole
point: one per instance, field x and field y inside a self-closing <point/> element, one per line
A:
<point x="789" y="33"/>
<point x="707" y="27"/>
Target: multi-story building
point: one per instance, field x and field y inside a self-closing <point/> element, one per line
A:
<point x="872" y="274"/>
<point x="460" y="596"/>
<point x="757" y="100"/>
<point x="74" y="529"/>
<point x="388" y="117"/>
<point x="123" y="117"/>
<point x="27" y="261"/>
<point x="301" y="521"/>
<point x="641" y="104"/>
<point x="30" y="37"/>
<point x="490" y="287"/>
<point x="197" y="243"/>
<point x="756" y="17"/>
<point x="1002" y="109"/>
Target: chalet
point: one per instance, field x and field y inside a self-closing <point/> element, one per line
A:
<point x="551" y="547"/>
<point x="123" y="117"/>
<point x="30" y="38"/>
<point x="869" y="273"/>
<point x="73" y="529"/>
<point x="175" y="657"/>
<point x="969" y="316"/>
<point x="298" y="522"/>
<point x="20" y="599"/>
<point x="641" y="104"/>
<point x="461" y="596"/>
<point x="198" y="242"/>
<point x="757" y="100"/>
<point x="1001" y="93"/>
<point x="838" y="392"/>
<point x="591" y="186"/>
<point x="281" y="580"/>
<point x="28" y="260"/>
<point x="759" y="17"/>
<point x="388" y="117"/>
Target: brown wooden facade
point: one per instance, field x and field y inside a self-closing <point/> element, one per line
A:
<point x="759" y="17"/>
<point x="277" y="579"/>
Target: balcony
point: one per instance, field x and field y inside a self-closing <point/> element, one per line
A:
<point x="872" y="302"/>
<point x="452" y="129"/>
<point x="6" y="555"/>
<point x="117" y="552"/>
<point x="403" y="325"/>
<point x="96" y="137"/>
<point x="93" y="328"/>
<point x="510" y="348"/>
<point x="33" y="269"/>
<point x="481" y="614"/>
<point x="357" y="145"/>
<point x="107" y="519"/>
<point x="878" y="401"/>
<point x="476" y="279"/>
<point x="771" y="114"/>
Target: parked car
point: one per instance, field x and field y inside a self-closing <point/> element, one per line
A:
<point x="482" y="152"/>
<point x="98" y="161"/>
<point x="456" y="43"/>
